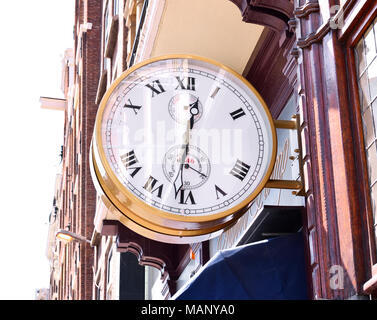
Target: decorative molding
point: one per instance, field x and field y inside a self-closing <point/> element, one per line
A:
<point x="292" y="24"/>
<point x="256" y="16"/>
<point x="314" y="37"/>
<point x="170" y="259"/>
<point x="307" y="9"/>
<point x="273" y="69"/>
<point x="295" y="52"/>
<point x="273" y="14"/>
<point x="335" y="228"/>
<point x="137" y="250"/>
<point x="283" y="6"/>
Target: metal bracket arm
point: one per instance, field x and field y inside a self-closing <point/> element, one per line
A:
<point x="298" y="186"/>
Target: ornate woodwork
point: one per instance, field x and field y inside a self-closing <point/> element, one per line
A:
<point x="333" y="205"/>
<point x="335" y="226"/>
<point x="274" y="14"/>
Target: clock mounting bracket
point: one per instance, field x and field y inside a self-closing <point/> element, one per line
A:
<point x="298" y="186"/>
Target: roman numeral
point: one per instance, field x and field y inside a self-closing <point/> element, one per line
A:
<point x="214" y="93"/>
<point x="240" y="170"/>
<point x="129" y="159"/>
<point x="186" y="83"/>
<point x="135" y="108"/>
<point x="218" y="190"/>
<point x="156" y="87"/>
<point x="237" y="114"/>
<point x="150" y="186"/>
<point x="184" y="200"/>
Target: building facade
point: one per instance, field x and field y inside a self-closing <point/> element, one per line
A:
<point x="75" y="198"/>
<point x="312" y="60"/>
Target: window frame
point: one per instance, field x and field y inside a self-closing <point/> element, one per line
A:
<point x="116" y="7"/>
<point x="359" y="26"/>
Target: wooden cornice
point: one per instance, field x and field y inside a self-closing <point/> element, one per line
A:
<point x="315" y="36"/>
<point x="273" y="14"/>
<point x="305" y="10"/>
<point x="283" y="6"/>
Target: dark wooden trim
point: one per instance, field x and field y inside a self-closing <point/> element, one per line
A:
<point x="357" y="16"/>
<point x="361" y="21"/>
<point x="314" y="37"/>
<point x="272" y="69"/>
<point x="262" y="45"/>
<point x="361" y="163"/>
<point x="259" y="16"/>
<point x="283" y="6"/>
<point x="335" y="219"/>
<point x="306" y="9"/>
<point x="273" y="14"/>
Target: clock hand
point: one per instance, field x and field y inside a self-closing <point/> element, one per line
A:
<point x="176" y="178"/>
<point x="194" y="110"/>
<point x="202" y="174"/>
<point x="186" y="145"/>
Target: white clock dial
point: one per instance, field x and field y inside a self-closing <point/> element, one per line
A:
<point x="188" y="173"/>
<point x="187" y="137"/>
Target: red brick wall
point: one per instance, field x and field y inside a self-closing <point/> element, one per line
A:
<point x="90" y="75"/>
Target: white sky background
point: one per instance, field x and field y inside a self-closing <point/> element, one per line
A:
<point x="34" y="36"/>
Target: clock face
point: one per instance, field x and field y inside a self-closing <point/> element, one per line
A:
<point x="186" y="137"/>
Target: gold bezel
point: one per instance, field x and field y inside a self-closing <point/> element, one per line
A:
<point x="127" y="202"/>
<point x="150" y="230"/>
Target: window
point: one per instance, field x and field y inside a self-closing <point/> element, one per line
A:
<point x="106" y="23"/>
<point x="366" y="71"/>
<point x="109" y="267"/>
<point x="98" y="293"/>
<point x="360" y="37"/>
<point x="115" y="7"/>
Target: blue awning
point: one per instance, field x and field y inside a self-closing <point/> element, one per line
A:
<point x="265" y="270"/>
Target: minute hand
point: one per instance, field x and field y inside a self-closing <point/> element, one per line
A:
<point x="186" y="144"/>
<point x="202" y="174"/>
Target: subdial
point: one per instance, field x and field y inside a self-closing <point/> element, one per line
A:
<point x="183" y="106"/>
<point x="189" y="171"/>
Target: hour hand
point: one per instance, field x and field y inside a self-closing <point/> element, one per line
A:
<point x="194" y="110"/>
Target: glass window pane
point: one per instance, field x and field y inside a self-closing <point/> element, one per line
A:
<point x="366" y="65"/>
<point x="360" y="57"/>
<point x="374" y="111"/>
<point x="372" y="75"/>
<point x="364" y="91"/>
<point x="372" y="163"/>
<point x="369" y="134"/>
<point x="374" y="201"/>
<point x="370" y="45"/>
